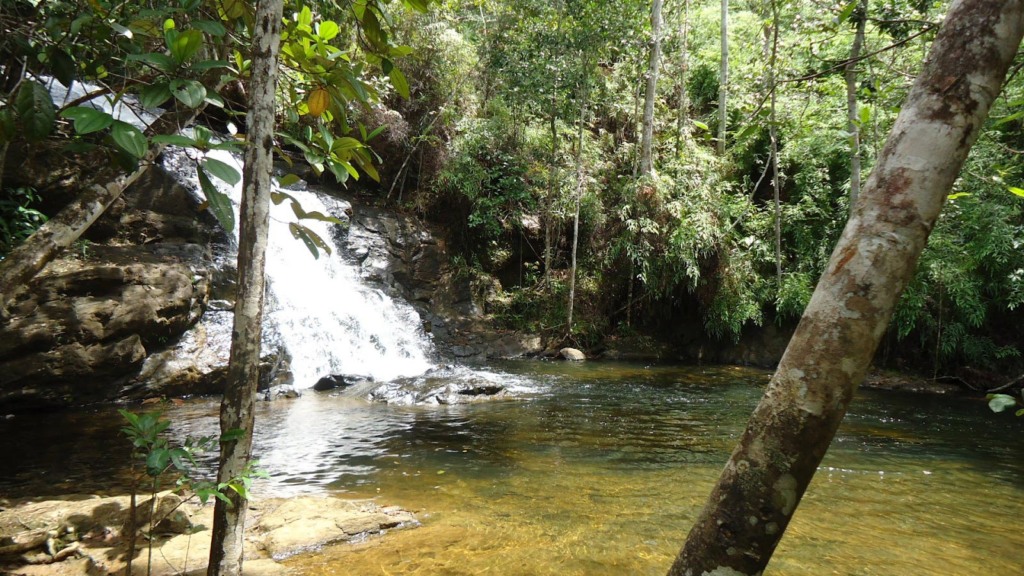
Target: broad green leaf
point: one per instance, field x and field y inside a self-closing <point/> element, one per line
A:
<point x="1000" y="402"/>
<point x="327" y="30"/>
<point x="221" y="170"/>
<point x="314" y="215"/>
<point x="154" y="95"/>
<point x="129" y="138"/>
<point x="62" y="65"/>
<point x="399" y="82"/>
<point x="700" y="125"/>
<point x="288" y="180"/>
<point x="1010" y="118"/>
<point x="174" y="140"/>
<point x="345" y="143"/>
<point x="186" y="45"/>
<point x="958" y="195"/>
<point x="864" y="114"/>
<point x="1017" y="191"/>
<point x="847" y="11"/>
<point x="7" y="125"/>
<point x="232" y="9"/>
<point x="88" y="120"/>
<point x="161" y="62"/>
<point x="210" y="27"/>
<point x="122" y="30"/>
<point x="305" y="18"/>
<point x="311" y="239"/>
<point x="278" y="197"/>
<point x="35" y="110"/>
<point x="219" y="202"/>
<point x="189" y="92"/>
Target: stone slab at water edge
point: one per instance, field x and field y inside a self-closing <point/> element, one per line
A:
<point x="87" y="534"/>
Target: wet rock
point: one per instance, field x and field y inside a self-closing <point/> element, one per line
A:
<point x="284" y="392"/>
<point x="339" y="381"/>
<point x="441" y="386"/>
<point x="301" y="524"/>
<point x="572" y="354"/>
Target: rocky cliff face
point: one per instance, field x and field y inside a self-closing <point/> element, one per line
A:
<point x="144" y="308"/>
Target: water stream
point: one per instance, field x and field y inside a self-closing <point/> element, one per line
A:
<point x="596" y="469"/>
<point x="326" y="318"/>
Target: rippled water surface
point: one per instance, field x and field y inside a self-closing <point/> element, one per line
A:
<point x="600" y="469"/>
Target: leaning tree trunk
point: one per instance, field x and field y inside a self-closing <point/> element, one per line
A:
<point x="828" y="356"/>
<point x="852" y="112"/>
<point x="68" y="225"/>
<point x="647" y="140"/>
<point x="236" y="412"/>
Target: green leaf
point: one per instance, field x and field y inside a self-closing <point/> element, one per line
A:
<point x="62" y="65"/>
<point x="321" y="217"/>
<point x="185" y="45"/>
<point x="130" y="139"/>
<point x="847" y="11"/>
<point x="174" y="140"/>
<point x="327" y="30"/>
<point x="189" y="92"/>
<point x="864" y="115"/>
<point x="232" y="435"/>
<point x="1000" y="402"/>
<point x="700" y="125"/>
<point x="154" y="95"/>
<point x="1016" y="191"/>
<point x="161" y="62"/>
<point x="399" y="82"/>
<point x="35" y="110"/>
<point x="211" y="27"/>
<point x="88" y="120"/>
<point x="958" y="195"/>
<point x="221" y="170"/>
<point x="311" y="239"/>
<point x="288" y="180"/>
<point x="219" y="202"/>
<point x="8" y="126"/>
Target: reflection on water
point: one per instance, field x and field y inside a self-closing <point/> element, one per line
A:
<point x="600" y="469"/>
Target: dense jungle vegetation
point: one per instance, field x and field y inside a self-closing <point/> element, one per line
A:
<point x="601" y="168"/>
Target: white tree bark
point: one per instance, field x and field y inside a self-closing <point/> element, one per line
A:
<point x="787" y="436"/>
<point x="243" y="370"/>
<point x="723" y="79"/>
<point x="852" y="111"/>
<point x="647" y="140"/>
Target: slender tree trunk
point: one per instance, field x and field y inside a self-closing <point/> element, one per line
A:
<point x="549" y="208"/>
<point x="852" y="113"/>
<point x="773" y="136"/>
<point x="647" y="141"/>
<point x="581" y="175"/>
<point x="549" y="216"/>
<point x="787" y="436"/>
<point x="682" y="131"/>
<point x="723" y="79"/>
<point x="236" y="411"/>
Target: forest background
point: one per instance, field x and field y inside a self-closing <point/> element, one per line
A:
<point x="602" y="169"/>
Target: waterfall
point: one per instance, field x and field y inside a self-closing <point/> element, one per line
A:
<point x="326" y="318"/>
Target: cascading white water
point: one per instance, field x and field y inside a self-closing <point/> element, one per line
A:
<point x="329" y="321"/>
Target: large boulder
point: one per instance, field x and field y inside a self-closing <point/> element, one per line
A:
<point x="86" y="321"/>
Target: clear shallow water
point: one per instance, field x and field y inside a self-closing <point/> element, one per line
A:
<point x="600" y="469"/>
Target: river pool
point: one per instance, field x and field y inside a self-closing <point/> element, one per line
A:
<point x="596" y="469"/>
